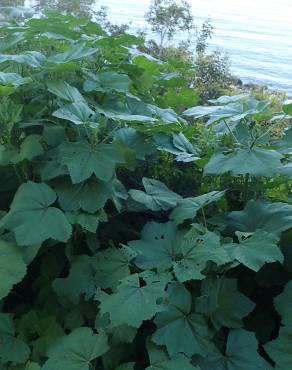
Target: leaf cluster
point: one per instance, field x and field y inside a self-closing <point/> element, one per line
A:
<point x="137" y="229"/>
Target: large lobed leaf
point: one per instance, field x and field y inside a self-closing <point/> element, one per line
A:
<point x="31" y="206"/>
<point x="84" y="160"/>
<point x="256" y="162"/>
<point x="270" y="217"/>
<point x="12" y="350"/>
<point x="188" y="207"/>
<point x="280" y="348"/>
<point x="107" y="81"/>
<point x="223" y="303"/>
<point x="12" y="267"/>
<point x="162" y="246"/>
<point x="159" y="360"/>
<point x="76" y="350"/>
<point x="179" y="328"/>
<point x="157" y="196"/>
<point x="133" y="303"/>
<point x="255" y="250"/>
<point x="241" y="354"/>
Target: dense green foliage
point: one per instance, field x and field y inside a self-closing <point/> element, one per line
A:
<point x="138" y="230"/>
<point x="169" y="19"/>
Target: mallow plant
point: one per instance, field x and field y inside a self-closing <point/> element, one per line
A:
<point x="136" y="232"/>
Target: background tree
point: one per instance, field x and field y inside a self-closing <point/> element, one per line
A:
<point x="211" y="75"/>
<point x="84" y="8"/>
<point x="8" y="10"/>
<point x="167" y="17"/>
<point x="11" y="2"/>
<point x="101" y="16"/>
<point x="80" y="8"/>
<point x="203" y="35"/>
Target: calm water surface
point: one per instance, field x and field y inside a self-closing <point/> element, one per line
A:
<point x="257" y="34"/>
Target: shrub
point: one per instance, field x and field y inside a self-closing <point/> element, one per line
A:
<point x="212" y="76"/>
<point x="133" y="236"/>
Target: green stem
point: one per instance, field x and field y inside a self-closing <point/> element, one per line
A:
<point x="18" y="174"/>
<point x="204" y="218"/>
<point x="231" y="132"/>
<point x="245" y="191"/>
<point x="109" y="135"/>
<point x="87" y="134"/>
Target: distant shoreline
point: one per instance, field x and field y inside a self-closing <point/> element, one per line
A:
<point x="253" y="87"/>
